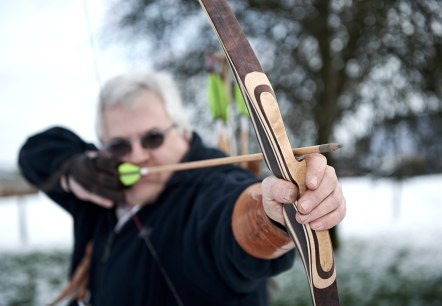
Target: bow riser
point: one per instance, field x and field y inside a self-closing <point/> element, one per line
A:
<point x="314" y="247"/>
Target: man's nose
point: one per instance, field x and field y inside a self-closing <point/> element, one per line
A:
<point x="139" y="154"/>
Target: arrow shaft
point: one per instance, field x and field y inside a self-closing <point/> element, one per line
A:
<point x="231" y="160"/>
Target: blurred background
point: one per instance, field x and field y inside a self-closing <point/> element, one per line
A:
<point x="366" y="74"/>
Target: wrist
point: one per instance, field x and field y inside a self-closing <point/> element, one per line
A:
<point x="254" y="231"/>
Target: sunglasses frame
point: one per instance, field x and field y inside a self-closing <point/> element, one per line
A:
<point x="126" y="145"/>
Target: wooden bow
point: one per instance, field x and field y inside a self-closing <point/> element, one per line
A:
<point x="314" y="247"/>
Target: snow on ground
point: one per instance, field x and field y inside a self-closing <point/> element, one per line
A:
<point x="392" y="210"/>
<point x="401" y="212"/>
<point x="33" y="222"/>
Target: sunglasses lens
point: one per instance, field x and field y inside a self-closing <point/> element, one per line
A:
<point x="152" y="140"/>
<point x="119" y="148"/>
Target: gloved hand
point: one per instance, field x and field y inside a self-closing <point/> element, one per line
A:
<point x="96" y="174"/>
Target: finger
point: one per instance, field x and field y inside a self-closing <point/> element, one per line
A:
<point x="106" y="164"/>
<point x="333" y="202"/>
<point x="109" y="194"/>
<point x="330" y="220"/>
<point x="107" y="181"/>
<point x="100" y="201"/>
<point x="86" y="195"/>
<point x="315" y="169"/>
<point x="279" y="190"/>
<point x="104" y="186"/>
<point x="312" y="198"/>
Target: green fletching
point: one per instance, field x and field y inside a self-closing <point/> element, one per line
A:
<point x="129" y="173"/>
<point x="239" y="99"/>
<point x="218" y="101"/>
<point x="128" y="168"/>
<point x="129" y="179"/>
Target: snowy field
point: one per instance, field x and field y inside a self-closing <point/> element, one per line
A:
<point x="401" y="212"/>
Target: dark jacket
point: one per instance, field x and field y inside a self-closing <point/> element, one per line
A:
<point x="189" y="227"/>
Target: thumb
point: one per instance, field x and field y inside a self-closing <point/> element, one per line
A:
<point x="279" y="190"/>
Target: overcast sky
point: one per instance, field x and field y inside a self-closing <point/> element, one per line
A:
<point x="47" y="71"/>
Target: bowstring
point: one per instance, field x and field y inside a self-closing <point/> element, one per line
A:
<point x="91" y="43"/>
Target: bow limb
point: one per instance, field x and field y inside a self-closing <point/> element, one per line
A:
<point x="314" y="247"/>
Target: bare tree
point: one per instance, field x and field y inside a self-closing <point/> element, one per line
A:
<point x="326" y="59"/>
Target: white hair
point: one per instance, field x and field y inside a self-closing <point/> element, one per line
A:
<point x="123" y="89"/>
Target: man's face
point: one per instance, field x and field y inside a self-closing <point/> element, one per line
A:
<point x="146" y="114"/>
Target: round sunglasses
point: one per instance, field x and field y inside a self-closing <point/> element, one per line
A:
<point x="150" y="140"/>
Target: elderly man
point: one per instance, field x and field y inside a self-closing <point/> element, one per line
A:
<point x="184" y="238"/>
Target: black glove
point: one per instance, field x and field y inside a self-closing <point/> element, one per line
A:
<point x="97" y="174"/>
